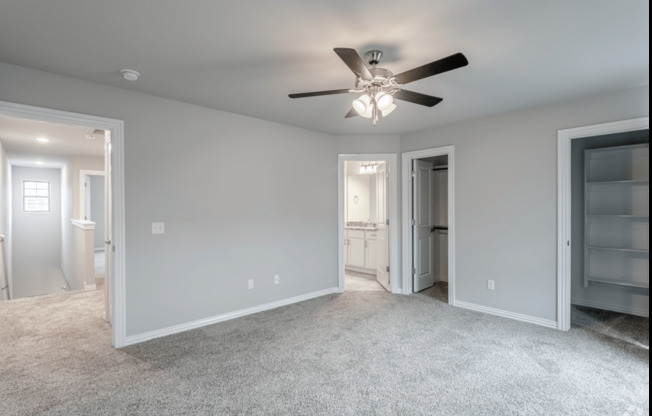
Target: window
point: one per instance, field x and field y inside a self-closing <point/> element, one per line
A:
<point x="36" y="196"/>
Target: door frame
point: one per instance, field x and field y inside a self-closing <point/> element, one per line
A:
<point x="407" y="158"/>
<point x="116" y="127"/>
<point x="564" y="173"/>
<point x="82" y="189"/>
<point x="392" y="204"/>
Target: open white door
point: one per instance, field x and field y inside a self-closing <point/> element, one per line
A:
<point x="422" y="226"/>
<point x="382" y="238"/>
<point x="108" y="253"/>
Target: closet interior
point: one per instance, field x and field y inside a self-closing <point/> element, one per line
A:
<point x="430" y="231"/>
<point x="611" y="220"/>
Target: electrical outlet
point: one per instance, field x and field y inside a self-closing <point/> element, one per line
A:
<point x="491" y="285"/>
<point x="251" y="283"/>
<point x="277" y="279"/>
<point x="158" y="228"/>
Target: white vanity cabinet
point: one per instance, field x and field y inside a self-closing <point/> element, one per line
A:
<point x="370" y="250"/>
<point x="360" y="250"/>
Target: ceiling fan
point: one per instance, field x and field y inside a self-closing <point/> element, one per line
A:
<point x="379" y="87"/>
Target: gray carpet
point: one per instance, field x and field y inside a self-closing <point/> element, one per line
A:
<point x="358" y="353"/>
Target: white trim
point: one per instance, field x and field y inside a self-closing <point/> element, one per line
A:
<point x="506" y="314"/>
<point x="360" y="269"/>
<point x="82" y="188"/>
<point x="407" y="159"/>
<point x="564" y="243"/>
<point x="394" y="265"/>
<point x="116" y="127"/>
<point x="135" y="339"/>
<point x="603" y="305"/>
<point x="83" y="224"/>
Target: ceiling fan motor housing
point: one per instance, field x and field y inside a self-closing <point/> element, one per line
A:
<point x="373" y="57"/>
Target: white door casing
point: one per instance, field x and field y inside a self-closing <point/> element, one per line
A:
<point x="391" y="163"/>
<point x="423" y="261"/>
<point x="564" y="242"/>
<point x="116" y="127"/>
<point x="108" y="255"/>
<point x="382" y="235"/>
<point x="407" y="201"/>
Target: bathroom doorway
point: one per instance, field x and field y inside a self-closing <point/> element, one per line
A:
<point x="367" y="218"/>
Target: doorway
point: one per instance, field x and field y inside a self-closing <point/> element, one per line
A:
<point x="429" y="222"/>
<point x="114" y="166"/>
<point x="93" y="198"/>
<point x="367" y="218"/>
<point x="589" y="220"/>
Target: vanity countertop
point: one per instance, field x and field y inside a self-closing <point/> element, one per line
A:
<point x="361" y="225"/>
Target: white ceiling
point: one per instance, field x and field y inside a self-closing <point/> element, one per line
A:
<point x="246" y="56"/>
<point x="18" y="137"/>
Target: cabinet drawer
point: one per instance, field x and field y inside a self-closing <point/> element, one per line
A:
<point x="356" y="233"/>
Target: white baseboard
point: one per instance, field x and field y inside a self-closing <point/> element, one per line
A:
<point x="360" y="269"/>
<point x="135" y="339"/>
<point x="506" y="314"/>
<point x="603" y="305"/>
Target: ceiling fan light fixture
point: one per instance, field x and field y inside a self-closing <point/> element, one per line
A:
<point x="384" y="101"/>
<point x="388" y="110"/>
<point x="380" y="86"/>
<point x="362" y="104"/>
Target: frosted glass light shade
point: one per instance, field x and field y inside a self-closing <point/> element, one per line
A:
<point x="386" y="112"/>
<point x="384" y="101"/>
<point x="362" y="104"/>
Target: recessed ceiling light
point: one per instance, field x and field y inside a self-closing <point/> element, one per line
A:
<point x="130" y="74"/>
<point x="42" y="139"/>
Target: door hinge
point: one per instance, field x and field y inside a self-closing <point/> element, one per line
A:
<point x="387" y="221"/>
<point x="412" y="222"/>
<point x="414" y="173"/>
<point x="387" y="269"/>
<point x="414" y="271"/>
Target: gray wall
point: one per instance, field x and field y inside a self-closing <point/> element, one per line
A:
<point x="226" y="187"/>
<point x="614" y="297"/>
<point x="36" y="244"/>
<point x="97" y="209"/>
<point x="71" y="253"/>
<point x="234" y="207"/>
<point x="506" y="197"/>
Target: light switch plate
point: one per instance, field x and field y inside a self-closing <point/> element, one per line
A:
<point x="158" y="228"/>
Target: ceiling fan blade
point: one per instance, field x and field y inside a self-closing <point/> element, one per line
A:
<point x="455" y="61"/>
<point x="354" y="62"/>
<point x="351" y="113"/>
<point x="317" y="93"/>
<point x="417" y="98"/>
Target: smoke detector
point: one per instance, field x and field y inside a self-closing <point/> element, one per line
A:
<point x="130" y="74"/>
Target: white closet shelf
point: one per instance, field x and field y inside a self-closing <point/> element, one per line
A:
<point x="623" y="250"/>
<point x="617" y="282"/>
<point x="616" y="195"/>
<point x="621" y="182"/>
<point x="642" y="217"/>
